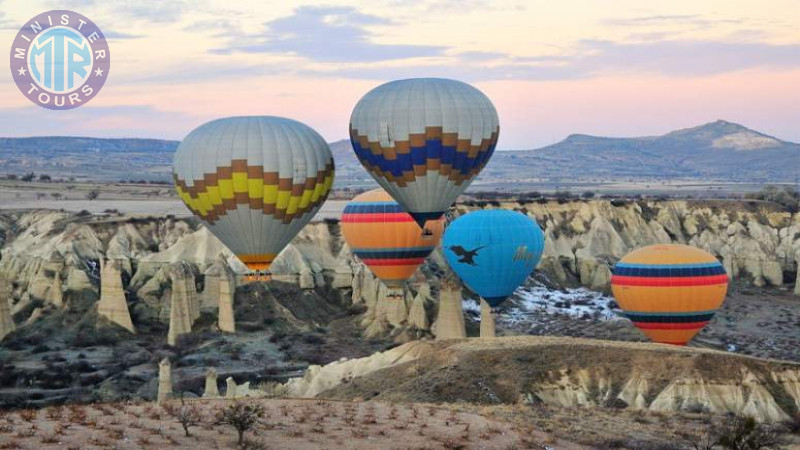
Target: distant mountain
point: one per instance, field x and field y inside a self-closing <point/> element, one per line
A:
<point x="88" y="158"/>
<point x="721" y="151"/>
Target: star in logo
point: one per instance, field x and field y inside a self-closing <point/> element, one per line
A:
<point x="21" y="71"/>
<point x="98" y="72"/>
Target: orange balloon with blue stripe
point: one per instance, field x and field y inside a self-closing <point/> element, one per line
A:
<point x="386" y="238"/>
<point x="669" y="291"/>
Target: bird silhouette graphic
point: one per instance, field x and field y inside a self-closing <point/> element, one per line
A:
<point x="467" y="256"/>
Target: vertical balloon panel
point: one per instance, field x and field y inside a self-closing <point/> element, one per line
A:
<point x="424" y="140"/>
<point x="669" y="291"/>
<point x="493" y="251"/>
<point x="254" y="182"/>
<point x="386" y="238"/>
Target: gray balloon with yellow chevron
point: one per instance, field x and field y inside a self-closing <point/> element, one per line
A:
<point x="254" y="182"/>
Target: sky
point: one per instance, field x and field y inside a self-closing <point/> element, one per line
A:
<point x="551" y="68"/>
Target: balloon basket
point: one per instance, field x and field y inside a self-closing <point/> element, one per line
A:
<point x="256" y="277"/>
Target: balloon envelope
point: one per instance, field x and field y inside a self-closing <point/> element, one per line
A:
<point x="493" y="251"/>
<point x="385" y="237"/>
<point x="669" y="291"/>
<point x="254" y="182"/>
<point x="424" y="140"/>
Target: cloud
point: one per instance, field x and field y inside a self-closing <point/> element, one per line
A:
<point x="481" y="56"/>
<point x="111" y="34"/>
<point x="153" y="12"/>
<point x="460" y="69"/>
<point x="326" y="34"/>
<point x="669" y="19"/>
<point x="685" y="57"/>
<point x="592" y="58"/>
<point x="6" y="23"/>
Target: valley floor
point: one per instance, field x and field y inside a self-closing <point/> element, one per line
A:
<point x="296" y="424"/>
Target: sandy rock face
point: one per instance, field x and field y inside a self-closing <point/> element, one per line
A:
<point x="164" y="381"/>
<point x="185" y="308"/>
<point x="565" y="372"/>
<point x="321" y="378"/>
<point x="748" y="397"/>
<point x="112" y="304"/>
<point x="417" y="318"/>
<point x="211" y="389"/>
<point x="487" y="321"/>
<point x="450" y="320"/>
<point x="56" y="294"/>
<point x="583" y="241"/>
<point x="227" y="288"/>
<point x="6" y="321"/>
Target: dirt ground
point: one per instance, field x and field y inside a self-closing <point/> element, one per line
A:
<point x="609" y="428"/>
<point x="296" y="424"/>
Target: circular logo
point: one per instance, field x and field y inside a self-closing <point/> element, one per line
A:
<point x="60" y="59"/>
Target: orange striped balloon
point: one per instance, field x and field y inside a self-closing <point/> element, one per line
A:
<point x="386" y="238"/>
<point x="669" y="291"/>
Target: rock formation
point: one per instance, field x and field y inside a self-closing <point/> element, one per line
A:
<point x="243" y="390"/>
<point x="230" y="388"/>
<point x="417" y="318"/>
<point x="164" y="381"/>
<point x="318" y="379"/>
<point x="227" y="289"/>
<point x="210" y="296"/>
<point x="184" y="307"/>
<point x="112" y="304"/>
<point x="35" y="315"/>
<point x="6" y="321"/>
<point x="450" y="320"/>
<point x="487" y="320"/>
<point x="56" y="294"/>
<point x="757" y="244"/>
<point x="569" y="373"/>
<point x="211" y="389"/>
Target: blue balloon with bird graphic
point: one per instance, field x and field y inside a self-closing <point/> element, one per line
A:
<point x="493" y="251"/>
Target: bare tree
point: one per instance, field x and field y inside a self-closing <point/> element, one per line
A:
<point x="736" y="432"/>
<point x="187" y="415"/>
<point x="93" y="194"/>
<point x="241" y="416"/>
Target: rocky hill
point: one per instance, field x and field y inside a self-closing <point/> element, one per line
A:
<point x="57" y="269"/>
<point x="97" y="159"/>
<point x="715" y="151"/>
<point x="564" y="372"/>
<point x="720" y="150"/>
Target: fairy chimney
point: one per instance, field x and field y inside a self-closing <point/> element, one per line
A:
<point x="487" y="320"/>
<point x="227" y="288"/>
<point x="112" y="304"/>
<point x="450" y="320"/>
<point x="164" y="381"/>
<point x="184" y="309"/>
<point x="211" y="389"/>
<point x="6" y="320"/>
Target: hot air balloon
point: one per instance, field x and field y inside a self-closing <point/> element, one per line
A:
<point x="493" y="251"/>
<point x="386" y="239"/>
<point x="254" y="182"/>
<point x="424" y="140"/>
<point x="669" y="291"/>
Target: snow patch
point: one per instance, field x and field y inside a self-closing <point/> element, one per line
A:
<point x="529" y="303"/>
